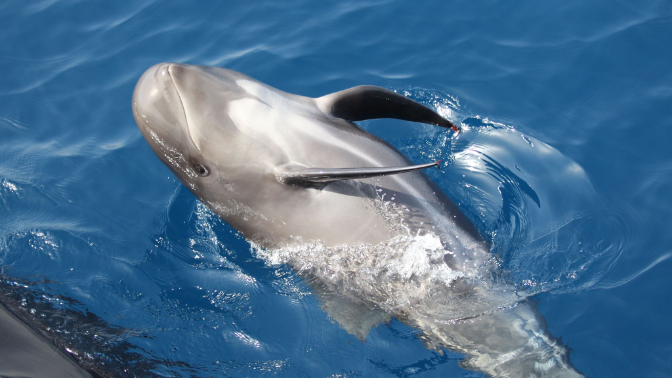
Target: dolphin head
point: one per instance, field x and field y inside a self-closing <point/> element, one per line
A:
<point x="181" y="111"/>
<point x="162" y="119"/>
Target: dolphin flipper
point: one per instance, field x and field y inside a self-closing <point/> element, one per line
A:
<point x="370" y="102"/>
<point x="319" y="177"/>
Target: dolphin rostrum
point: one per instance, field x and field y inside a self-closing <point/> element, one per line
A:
<point x="372" y="234"/>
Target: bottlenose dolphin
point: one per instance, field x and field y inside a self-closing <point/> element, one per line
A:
<point x="371" y="233"/>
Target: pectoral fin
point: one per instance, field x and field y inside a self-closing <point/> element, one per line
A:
<point x="319" y="177"/>
<point x="369" y="102"/>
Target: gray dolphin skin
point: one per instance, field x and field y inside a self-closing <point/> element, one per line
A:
<point x="366" y="228"/>
<point x="27" y="354"/>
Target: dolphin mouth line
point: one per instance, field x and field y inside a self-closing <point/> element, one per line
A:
<point x="184" y="110"/>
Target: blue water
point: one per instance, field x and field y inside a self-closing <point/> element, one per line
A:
<point x="565" y="164"/>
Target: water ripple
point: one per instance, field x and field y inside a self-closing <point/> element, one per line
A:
<point x="562" y="166"/>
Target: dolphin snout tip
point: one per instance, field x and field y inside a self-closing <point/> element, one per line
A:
<point x="162" y="69"/>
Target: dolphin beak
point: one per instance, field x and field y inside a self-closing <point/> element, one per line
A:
<point x="158" y="108"/>
<point x="173" y="70"/>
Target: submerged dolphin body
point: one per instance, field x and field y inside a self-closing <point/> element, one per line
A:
<point x="371" y="233"/>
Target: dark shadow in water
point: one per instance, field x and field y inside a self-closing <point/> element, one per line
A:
<point x="97" y="346"/>
<point x="510" y="182"/>
<point x="513" y="221"/>
<point x="476" y="122"/>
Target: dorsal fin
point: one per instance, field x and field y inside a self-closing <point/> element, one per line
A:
<point x="369" y="102"/>
<point x="319" y="177"/>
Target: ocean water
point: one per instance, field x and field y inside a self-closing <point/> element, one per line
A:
<point x="565" y="164"/>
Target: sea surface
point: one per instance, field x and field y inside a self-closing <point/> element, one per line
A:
<point x="564" y="164"/>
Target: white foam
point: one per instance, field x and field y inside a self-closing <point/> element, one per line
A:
<point x="407" y="274"/>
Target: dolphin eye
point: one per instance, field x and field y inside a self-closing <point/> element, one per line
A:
<point x="201" y="170"/>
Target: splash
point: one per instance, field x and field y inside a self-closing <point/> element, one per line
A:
<point x="405" y="275"/>
<point x="529" y="200"/>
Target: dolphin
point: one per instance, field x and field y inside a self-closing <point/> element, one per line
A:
<point x="369" y="231"/>
<point x="26" y="353"/>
